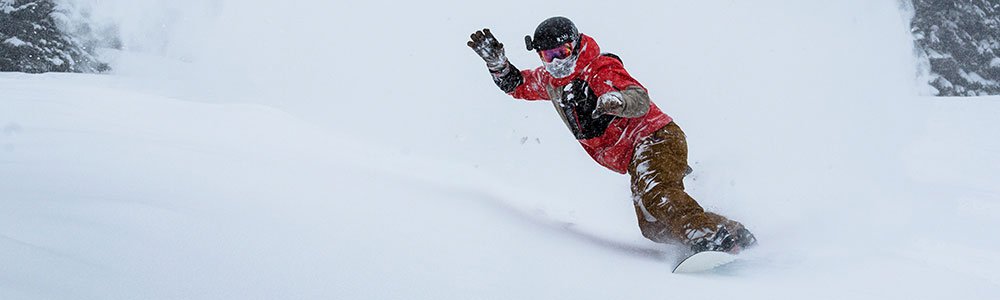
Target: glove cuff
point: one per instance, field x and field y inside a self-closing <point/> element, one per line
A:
<point x="508" y="78"/>
<point x="498" y="66"/>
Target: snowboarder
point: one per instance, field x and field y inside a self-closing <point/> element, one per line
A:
<point x="612" y="117"/>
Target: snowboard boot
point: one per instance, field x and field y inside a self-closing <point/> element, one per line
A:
<point x="725" y="241"/>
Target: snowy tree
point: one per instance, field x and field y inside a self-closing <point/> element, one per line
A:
<point x="961" y="40"/>
<point x="34" y="39"/>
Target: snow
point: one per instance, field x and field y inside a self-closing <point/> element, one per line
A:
<point x="6" y="6"/>
<point x="373" y="158"/>
<point x="976" y="78"/>
<point x="56" y="61"/>
<point x="16" y="42"/>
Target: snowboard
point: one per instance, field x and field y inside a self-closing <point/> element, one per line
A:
<point x="704" y="261"/>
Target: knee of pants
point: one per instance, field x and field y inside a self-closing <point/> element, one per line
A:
<point x="670" y="203"/>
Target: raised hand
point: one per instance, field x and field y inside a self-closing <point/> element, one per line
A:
<point x="487" y="47"/>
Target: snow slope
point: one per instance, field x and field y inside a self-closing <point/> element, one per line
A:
<point x="374" y="159"/>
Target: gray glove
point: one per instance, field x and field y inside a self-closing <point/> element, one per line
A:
<point x="611" y="103"/>
<point x="489" y="49"/>
<point x="630" y="102"/>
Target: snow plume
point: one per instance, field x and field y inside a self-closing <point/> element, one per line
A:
<point x="923" y="74"/>
<point x="150" y="26"/>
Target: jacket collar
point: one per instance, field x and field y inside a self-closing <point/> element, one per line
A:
<point x="589" y="51"/>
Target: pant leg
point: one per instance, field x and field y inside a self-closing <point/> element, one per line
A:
<point x="665" y="211"/>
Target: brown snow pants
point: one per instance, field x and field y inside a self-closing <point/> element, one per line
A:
<point x="667" y="214"/>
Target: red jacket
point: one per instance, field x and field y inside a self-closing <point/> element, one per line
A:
<point x="614" y="148"/>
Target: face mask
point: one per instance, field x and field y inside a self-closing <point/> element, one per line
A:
<point x="561" y="68"/>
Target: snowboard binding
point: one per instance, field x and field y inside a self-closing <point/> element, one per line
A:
<point x="724" y="241"/>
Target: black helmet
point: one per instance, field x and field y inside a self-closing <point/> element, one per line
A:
<point x="553" y="32"/>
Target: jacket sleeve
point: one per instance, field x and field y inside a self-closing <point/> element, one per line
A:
<point x="525" y="84"/>
<point x="610" y="76"/>
<point x="636" y="101"/>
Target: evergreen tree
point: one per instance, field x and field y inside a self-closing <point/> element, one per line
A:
<point x="961" y="39"/>
<point x="31" y="40"/>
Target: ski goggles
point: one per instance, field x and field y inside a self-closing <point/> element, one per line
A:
<point x="561" y="52"/>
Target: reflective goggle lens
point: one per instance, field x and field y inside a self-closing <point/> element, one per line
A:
<point x="561" y="52"/>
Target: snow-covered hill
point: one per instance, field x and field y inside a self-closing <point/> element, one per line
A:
<point x="350" y="151"/>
